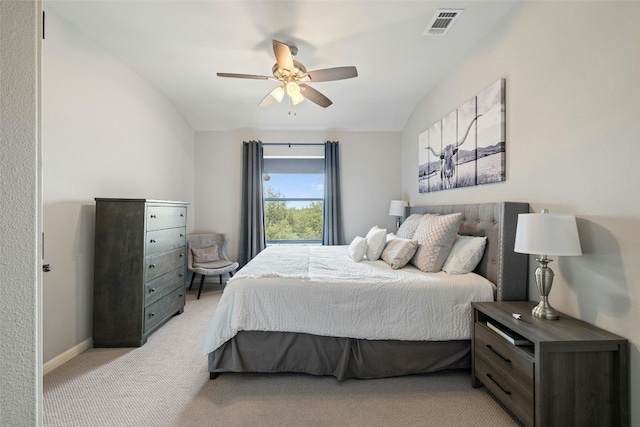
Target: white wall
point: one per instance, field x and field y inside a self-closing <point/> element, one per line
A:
<point x="370" y="165"/>
<point x="572" y="74"/>
<point x="106" y="133"/>
<point x="20" y="310"/>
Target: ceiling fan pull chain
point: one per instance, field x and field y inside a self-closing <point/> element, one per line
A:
<point x="292" y="107"/>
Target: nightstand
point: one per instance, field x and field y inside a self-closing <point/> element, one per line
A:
<point x="570" y="373"/>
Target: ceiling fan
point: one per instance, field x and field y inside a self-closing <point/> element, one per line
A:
<point x="293" y="78"/>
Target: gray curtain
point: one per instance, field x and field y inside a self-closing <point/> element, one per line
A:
<point x="332" y="232"/>
<point x="252" y="234"/>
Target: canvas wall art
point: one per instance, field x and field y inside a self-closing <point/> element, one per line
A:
<point x="467" y="146"/>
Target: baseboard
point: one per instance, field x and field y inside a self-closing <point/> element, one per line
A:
<point x="66" y="356"/>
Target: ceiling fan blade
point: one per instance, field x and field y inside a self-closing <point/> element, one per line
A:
<point x="329" y="74"/>
<point x="283" y="55"/>
<point x="314" y="96"/>
<point x="267" y="100"/>
<point x="244" y="76"/>
<point x="275" y="95"/>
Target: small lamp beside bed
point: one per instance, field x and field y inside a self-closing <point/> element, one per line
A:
<point x="396" y="208"/>
<point x="546" y="234"/>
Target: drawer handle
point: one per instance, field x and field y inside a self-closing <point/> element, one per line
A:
<point x="151" y="314"/>
<point x="181" y="215"/>
<point x="508" y="393"/>
<point x="152" y="266"/>
<point x="181" y="235"/>
<point x="180" y="296"/>
<point x="153" y="216"/>
<point x="180" y="275"/>
<point x="499" y="355"/>
<point x="152" y="241"/>
<point x="181" y="255"/>
<point x="152" y="290"/>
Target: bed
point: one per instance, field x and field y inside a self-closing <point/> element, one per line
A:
<point x="371" y="343"/>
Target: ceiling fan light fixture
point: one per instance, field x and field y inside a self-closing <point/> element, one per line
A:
<point x="293" y="89"/>
<point x="278" y="93"/>
<point x="297" y="98"/>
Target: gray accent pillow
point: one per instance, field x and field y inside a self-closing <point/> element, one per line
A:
<point x="399" y="252"/>
<point x="203" y="255"/>
<point x="408" y="227"/>
<point x="435" y="236"/>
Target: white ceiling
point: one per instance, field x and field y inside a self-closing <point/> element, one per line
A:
<point x="179" y="45"/>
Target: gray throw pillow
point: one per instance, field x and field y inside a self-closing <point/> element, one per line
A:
<point x="399" y="252"/>
<point x="204" y="255"/>
<point x="408" y="227"/>
<point x="435" y="236"/>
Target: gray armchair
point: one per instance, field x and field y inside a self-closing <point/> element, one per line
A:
<point x="207" y="256"/>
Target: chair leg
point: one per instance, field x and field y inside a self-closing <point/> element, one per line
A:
<point x="193" y="276"/>
<point x="221" y="279"/>
<point x="231" y="274"/>
<point x="201" y="283"/>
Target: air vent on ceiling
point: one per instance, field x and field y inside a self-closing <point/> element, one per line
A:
<point x="442" y="21"/>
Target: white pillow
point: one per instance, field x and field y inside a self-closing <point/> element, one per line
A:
<point x="357" y="249"/>
<point x="465" y="254"/>
<point x="376" y="240"/>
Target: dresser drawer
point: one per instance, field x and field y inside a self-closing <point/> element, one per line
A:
<point x="163" y="285"/>
<point x="159" y="264"/>
<point x="515" y="397"/>
<point x="514" y="361"/>
<point x="161" y="309"/>
<point x="165" y="240"/>
<point x="160" y="217"/>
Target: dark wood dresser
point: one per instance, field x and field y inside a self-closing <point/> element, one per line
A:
<point x="569" y="373"/>
<point x="139" y="268"/>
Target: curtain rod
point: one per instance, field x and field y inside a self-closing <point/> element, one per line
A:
<point x="290" y="143"/>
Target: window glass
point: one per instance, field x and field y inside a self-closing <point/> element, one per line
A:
<point x="293" y="201"/>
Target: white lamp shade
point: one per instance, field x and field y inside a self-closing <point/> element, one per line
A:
<point x="396" y="208"/>
<point x="547" y="234"/>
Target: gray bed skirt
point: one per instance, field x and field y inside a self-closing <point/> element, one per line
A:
<point x="269" y="352"/>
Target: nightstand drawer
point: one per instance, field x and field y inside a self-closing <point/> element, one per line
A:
<point x="512" y="394"/>
<point x="514" y="361"/>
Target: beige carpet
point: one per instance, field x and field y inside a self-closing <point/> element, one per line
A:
<point x="166" y="383"/>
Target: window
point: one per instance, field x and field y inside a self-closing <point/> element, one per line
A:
<point x="293" y="199"/>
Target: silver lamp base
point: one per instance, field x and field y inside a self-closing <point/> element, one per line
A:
<point x="544" y="311"/>
<point x="544" y="280"/>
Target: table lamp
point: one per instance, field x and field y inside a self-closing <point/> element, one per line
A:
<point x="396" y="208"/>
<point x="546" y="234"/>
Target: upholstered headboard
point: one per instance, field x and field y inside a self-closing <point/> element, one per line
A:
<point x="508" y="270"/>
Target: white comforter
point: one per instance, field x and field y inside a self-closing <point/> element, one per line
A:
<point x="320" y="290"/>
